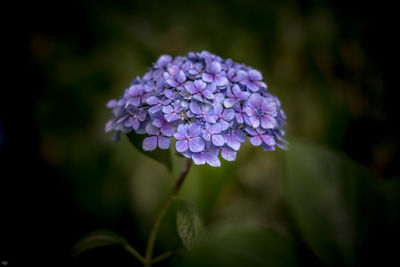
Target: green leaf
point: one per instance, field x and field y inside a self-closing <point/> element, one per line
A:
<point x="238" y="244"/>
<point x="98" y="239"/>
<point x="188" y="224"/>
<point x="334" y="201"/>
<point x="161" y="155"/>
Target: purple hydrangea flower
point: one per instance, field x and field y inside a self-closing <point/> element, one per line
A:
<point x="189" y="137"/>
<point x="207" y="104"/>
<point x="214" y="74"/>
<point x="261" y="111"/>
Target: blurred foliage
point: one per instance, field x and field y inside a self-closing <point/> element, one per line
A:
<point x="308" y="206"/>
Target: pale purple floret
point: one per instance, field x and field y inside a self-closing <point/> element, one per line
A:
<point x="172" y="112"/>
<point x="155" y="139"/>
<point x="189" y="138"/>
<point x="223" y="116"/>
<point x="214" y="74"/>
<point x="253" y="80"/>
<point x="200" y="91"/>
<point x="260" y="136"/>
<point x="156" y="104"/>
<point x="136" y="92"/>
<point x="164" y="126"/>
<point x="228" y="153"/>
<point x="234" y="95"/>
<point x="203" y="111"/>
<point x="204" y="102"/>
<point x="177" y="81"/>
<point x="234" y="137"/>
<point x="261" y="111"/>
<point x="137" y="116"/>
<point x="212" y="132"/>
<point x="210" y="157"/>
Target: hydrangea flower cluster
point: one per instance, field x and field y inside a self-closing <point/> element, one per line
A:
<point x="207" y="104"/>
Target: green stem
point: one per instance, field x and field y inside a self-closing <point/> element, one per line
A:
<point x="135" y="253"/>
<point x="161" y="214"/>
<point x="165" y="255"/>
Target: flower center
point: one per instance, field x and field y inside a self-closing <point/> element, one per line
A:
<point x="260" y="111"/>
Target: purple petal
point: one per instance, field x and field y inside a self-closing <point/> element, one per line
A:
<point x="215" y="67"/>
<point x="207" y="109"/>
<point x="200" y="85"/>
<point x="249" y="111"/>
<point x="181" y="77"/>
<point x="216" y="128"/>
<point x="255" y="75"/>
<point x="219" y="98"/>
<point x="191" y="87"/>
<point x="195" y="108"/>
<point x="252" y="87"/>
<point x="155" y="109"/>
<point x="110" y="125"/>
<point x="268" y="139"/>
<point x="172" y="83"/>
<point x="218" y="140"/>
<point x="232" y="142"/>
<point x="142" y="115"/>
<point x="269" y="105"/>
<point x="198" y="97"/>
<point x="158" y="122"/>
<point x="182" y="145"/>
<point x="169" y="93"/>
<point x="163" y="60"/>
<point x="163" y="142"/>
<point x="240" y="75"/>
<point x="207" y="77"/>
<point x="228" y="154"/>
<point x="196" y="144"/>
<point x="224" y="124"/>
<point x="152" y="100"/>
<point x="228" y="114"/>
<point x="206" y="135"/>
<point x="212" y="158"/>
<point x="167" y="109"/>
<point x="250" y="131"/>
<point x="221" y="80"/>
<point x="171" y="117"/>
<point x="151" y="129"/>
<point x="243" y="95"/>
<point x="255" y="140"/>
<point x="240" y="135"/>
<point x="255" y="101"/>
<point x="267" y="122"/>
<point x="239" y="118"/>
<point x="173" y="69"/>
<point x="210" y="118"/>
<point x="128" y="122"/>
<point x="255" y="121"/>
<point x="135" y="124"/>
<point x="167" y="130"/>
<point x="208" y="94"/>
<point x="236" y="90"/>
<point x="267" y="147"/>
<point x="181" y="133"/>
<point x="112" y="103"/>
<point x="194" y="131"/>
<point x="198" y="158"/>
<point x="150" y="143"/>
<point x="133" y="101"/>
<point x="229" y="102"/>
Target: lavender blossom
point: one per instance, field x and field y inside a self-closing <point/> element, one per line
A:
<point x="207" y="104"/>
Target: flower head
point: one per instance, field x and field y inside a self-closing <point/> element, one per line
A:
<point x="206" y="103"/>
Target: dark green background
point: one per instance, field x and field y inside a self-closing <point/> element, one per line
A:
<point x="330" y="62"/>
